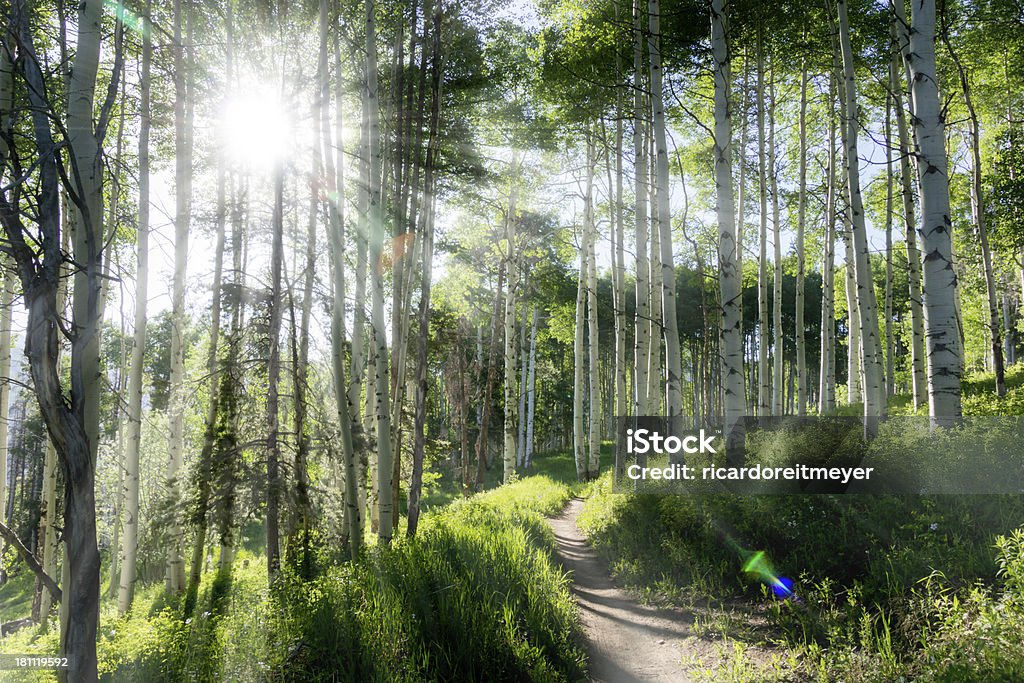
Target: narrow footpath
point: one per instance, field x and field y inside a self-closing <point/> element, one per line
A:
<point x="625" y="641"/>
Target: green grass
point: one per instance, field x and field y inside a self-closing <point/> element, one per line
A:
<point x="476" y="595"/>
<point x="16" y="593"/>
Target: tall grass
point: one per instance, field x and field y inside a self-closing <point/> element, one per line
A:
<point x="476" y="596"/>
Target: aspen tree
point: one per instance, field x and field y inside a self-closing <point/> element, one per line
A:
<point x="890" y="343"/>
<point x="531" y="400"/>
<point x="578" y="416"/>
<point x="126" y="589"/>
<point x="777" y="340"/>
<point x="593" y="340"/>
<point x="512" y="261"/>
<point x="827" y="370"/>
<point x="939" y="282"/>
<point x="673" y="358"/>
<point x="730" y="277"/>
<point x="917" y="354"/>
<point x="801" y="345"/>
<point x="763" y="377"/>
<point x="429" y="193"/>
<point x="980" y="223"/>
<point x="643" y="302"/>
<point x="871" y="360"/>
<point x="175" y="572"/>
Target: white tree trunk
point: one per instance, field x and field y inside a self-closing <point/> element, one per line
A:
<point x="579" y="360"/>
<point x="763" y="376"/>
<point x="82" y="556"/>
<point x="126" y="590"/>
<point x="981" y="228"/>
<point x="801" y="346"/>
<point x="778" y="348"/>
<point x="644" y="342"/>
<point x="656" y="394"/>
<point x="729" y="274"/>
<point x="175" y="574"/>
<point x="890" y="343"/>
<point x="673" y="357"/>
<point x="593" y="366"/>
<point x="827" y="371"/>
<point x="871" y="358"/>
<point x="531" y="390"/>
<point x="918" y="373"/>
<point x="523" y="372"/>
<point x="942" y="331"/>
<point x="512" y="259"/>
<point x="373" y="227"/>
<point x="345" y="404"/>
<point x="6" y="303"/>
<point x="854" y="383"/>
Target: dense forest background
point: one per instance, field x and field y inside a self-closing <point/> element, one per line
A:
<point x="278" y="278"/>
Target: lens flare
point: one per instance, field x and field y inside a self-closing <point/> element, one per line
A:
<point x="761" y="568"/>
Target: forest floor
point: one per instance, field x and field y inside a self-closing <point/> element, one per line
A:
<point x="627" y="640"/>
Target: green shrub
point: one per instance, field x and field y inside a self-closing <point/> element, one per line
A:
<point x="475" y="596"/>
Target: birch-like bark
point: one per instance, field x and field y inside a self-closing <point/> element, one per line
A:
<point x="593" y="341"/>
<point x="130" y="545"/>
<point x="82" y="556"/>
<point x="359" y="337"/>
<point x="6" y="305"/>
<point x="917" y="354"/>
<point x="763" y="377"/>
<point x="941" y="329"/>
<point x="175" y="571"/>
<point x="854" y="383"/>
<point x="621" y="400"/>
<point x="801" y="218"/>
<point x="890" y="343"/>
<point x="8" y="273"/>
<point x="531" y="400"/>
<point x="670" y="325"/>
<point x="827" y="370"/>
<point x="523" y="371"/>
<point x="482" y="440"/>
<point x="579" y="360"/>
<point x="346" y="405"/>
<point x="871" y="357"/>
<point x="373" y="227"/>
<point x="729" y="274"/>
<point x="778" y="350"/>
<point x="427" y="233"/>
<point x="656" y="394"/>
<point x="643" y="342"/>
<point x="512" y="261"/>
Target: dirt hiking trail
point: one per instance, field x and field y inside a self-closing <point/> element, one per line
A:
<point x="625" y="640"/>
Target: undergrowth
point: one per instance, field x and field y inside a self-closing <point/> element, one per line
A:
<point x="476" y="595"/>
<point x="921" y="588"/>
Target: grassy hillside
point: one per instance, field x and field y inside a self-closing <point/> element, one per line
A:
<point x="475" y="596"/>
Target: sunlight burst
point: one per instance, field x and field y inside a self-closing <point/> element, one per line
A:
<point x="256" y="130"/>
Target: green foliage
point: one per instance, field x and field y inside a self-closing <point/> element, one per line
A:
<point x="475" y="596"/>
<point x="887" y="586"/>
